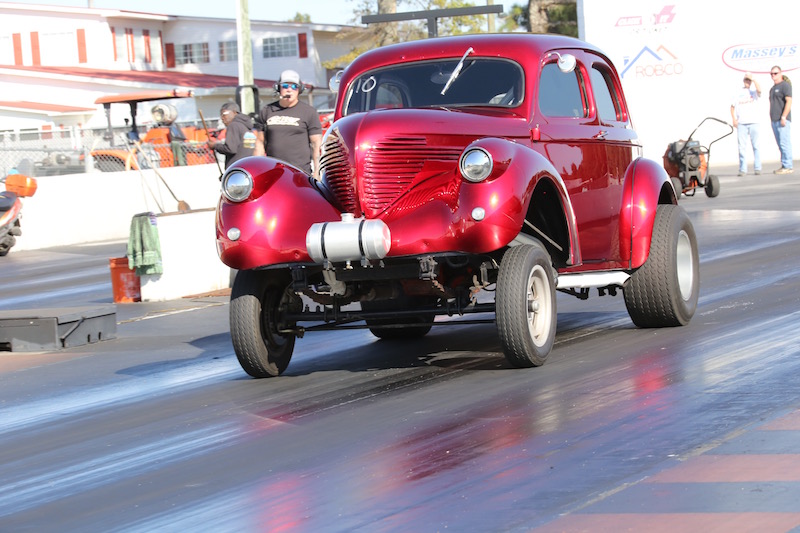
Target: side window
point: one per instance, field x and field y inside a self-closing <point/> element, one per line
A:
<point x="560" y="93"/>
<point x="605" y="97"/>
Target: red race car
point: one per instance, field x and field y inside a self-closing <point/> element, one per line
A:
<point x="476" y="174"/>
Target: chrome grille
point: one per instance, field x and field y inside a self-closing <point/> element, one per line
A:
<point x="390" y="167"/>
<point x="339" y="173"/>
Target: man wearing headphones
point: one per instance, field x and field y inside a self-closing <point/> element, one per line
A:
<point x="289" y="129"/>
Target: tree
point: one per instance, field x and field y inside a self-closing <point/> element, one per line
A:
<point x="376" y="35"/>
<point x="517" y="19"/>
<point x="301" y="17"/>
<point x="553" y="16"/>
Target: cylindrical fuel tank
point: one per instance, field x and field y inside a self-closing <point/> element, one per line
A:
<point x="349" y="240"/>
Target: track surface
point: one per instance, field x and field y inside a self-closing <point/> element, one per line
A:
<point x="161" y="430"/>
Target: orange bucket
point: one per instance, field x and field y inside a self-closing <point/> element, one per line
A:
<point x="124" y="282"/>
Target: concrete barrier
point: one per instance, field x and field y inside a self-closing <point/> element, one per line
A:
<point x="99" y="206"/>
<point x="188" y="257"/>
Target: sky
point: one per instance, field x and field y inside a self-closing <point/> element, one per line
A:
<point x="321" y="11"/>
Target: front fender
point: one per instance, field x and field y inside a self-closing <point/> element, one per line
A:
<point x="646" y="186"/>
<point x="444" y="206"/>
<point x="272" y="223"/>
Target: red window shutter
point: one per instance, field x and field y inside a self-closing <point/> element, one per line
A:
<point x="302" y="44"/>
<point x="81" y="45"/>
<point x="37" y="58"/>
<point x="47" y="131"/>
<point x="161" y="44"/>
<point x="17" y="38"/>
<point x="129" y="42"/>
<point x="147" y="57"/>
<point x="114" y="43"/>
<point x="169" y="49"/>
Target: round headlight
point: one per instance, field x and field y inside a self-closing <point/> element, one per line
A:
<point x="475" y="165"/>
<point x="237" y="185"/>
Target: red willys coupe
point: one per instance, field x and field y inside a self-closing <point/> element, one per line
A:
<point x="457" y="169"/>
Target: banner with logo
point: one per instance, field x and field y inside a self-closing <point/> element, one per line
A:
<point x="683" y="60"/>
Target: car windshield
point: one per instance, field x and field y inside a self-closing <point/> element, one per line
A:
<point x="481" y="82"/>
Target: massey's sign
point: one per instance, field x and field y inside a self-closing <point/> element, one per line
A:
<point x="760" y="58"/>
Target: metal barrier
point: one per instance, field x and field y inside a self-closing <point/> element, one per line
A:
<point x="37" y="152"/>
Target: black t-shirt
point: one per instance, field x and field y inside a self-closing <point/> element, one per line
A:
<point x="777" y="100"/>
<point x="287" y="132"/>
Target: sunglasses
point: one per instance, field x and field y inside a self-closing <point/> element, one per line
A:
<point x="774" y="73"/>
<point x="292" y="86"/>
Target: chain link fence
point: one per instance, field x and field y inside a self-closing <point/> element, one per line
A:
<point x="37" y="152"/>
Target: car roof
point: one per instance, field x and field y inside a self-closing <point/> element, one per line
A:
<point x="518" y="46"/>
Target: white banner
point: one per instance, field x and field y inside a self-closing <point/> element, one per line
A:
<point x="681" y="61"/>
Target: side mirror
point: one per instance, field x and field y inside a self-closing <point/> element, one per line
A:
<point x="566" y="62"/>
<point x="334" y="82"/>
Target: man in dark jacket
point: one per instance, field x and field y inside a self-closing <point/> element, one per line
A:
<point x="240" y="140"/>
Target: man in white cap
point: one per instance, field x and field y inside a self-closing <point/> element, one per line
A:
<point x="744" y="112"/>
<point x="289" y="129"/>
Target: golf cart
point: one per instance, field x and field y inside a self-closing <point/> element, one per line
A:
<point x="164" y="145"/>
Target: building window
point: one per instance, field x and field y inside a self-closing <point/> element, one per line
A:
<point x="228" y="51"/>
<point x="279" y="46"/>
<point x="191" y="53"/>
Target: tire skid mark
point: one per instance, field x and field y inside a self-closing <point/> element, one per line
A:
<point x="47" y="484"/>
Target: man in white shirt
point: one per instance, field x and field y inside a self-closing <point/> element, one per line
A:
<point x="744" y="112"/>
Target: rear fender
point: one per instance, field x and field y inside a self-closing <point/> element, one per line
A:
<point x="272" y="223"/>
<point x="646" y="186"/>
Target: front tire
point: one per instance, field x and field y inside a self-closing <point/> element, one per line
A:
<point x="525" y="305"/>
<point x="258" y="301"/>
<point x="712" y="187"/>
<point x="6" y="244"/>
<point x="664" y="291"/>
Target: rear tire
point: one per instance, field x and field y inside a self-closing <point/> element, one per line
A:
<point x="109" y="165"/>
<point x="664" y="291"/>
<point x="712" y="187"/>
<point x="258" y="301"/>
<point x="525" y="305"/>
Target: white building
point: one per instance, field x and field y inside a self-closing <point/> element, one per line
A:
<point x="56" y="61"/>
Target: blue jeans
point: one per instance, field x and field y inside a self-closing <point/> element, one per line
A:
<point x="784" y="139"/>
<point x="744" y="131"/>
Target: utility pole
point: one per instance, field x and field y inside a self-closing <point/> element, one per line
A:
<point x="247" y="98"/>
